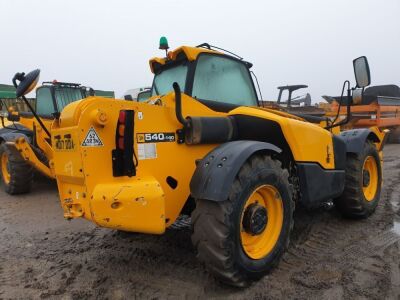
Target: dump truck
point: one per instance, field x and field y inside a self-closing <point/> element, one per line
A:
<point x="378" y="106"/>
<point x="202" y="146"/>
<point x="25" y="144"/>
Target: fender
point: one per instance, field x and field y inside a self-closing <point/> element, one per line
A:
<point x="216" y="172"/>
<point x="11" y="134"/>
<point x="356" y="138"/>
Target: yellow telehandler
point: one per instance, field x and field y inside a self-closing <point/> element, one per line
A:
<point x="25" y="136"/>
<point x="202" y="146"/>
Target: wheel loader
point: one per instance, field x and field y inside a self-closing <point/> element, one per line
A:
<point x="25" y="136"/>
<point x="202" y="146"/>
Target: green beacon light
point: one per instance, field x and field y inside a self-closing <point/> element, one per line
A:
<point x="164" y="44"/>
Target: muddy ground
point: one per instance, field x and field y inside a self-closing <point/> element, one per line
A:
<point x="44" y="256"/>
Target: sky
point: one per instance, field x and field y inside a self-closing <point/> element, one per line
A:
<point x="107" y="44"/>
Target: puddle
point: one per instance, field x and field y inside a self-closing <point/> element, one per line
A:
<point x="396" y="227"/>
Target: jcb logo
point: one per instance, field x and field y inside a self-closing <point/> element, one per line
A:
<point x="140" y="138"/>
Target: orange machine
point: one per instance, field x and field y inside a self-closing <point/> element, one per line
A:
<point x="380" y="106"/>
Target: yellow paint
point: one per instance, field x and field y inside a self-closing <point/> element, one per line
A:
<point x="4" y="168"/>
<point x="371" y="167"/>
<point x="308" y="142"/>
<point x="41" y="140"/>
<point x="190" y="52"/>
<point x="86" y="169"/>
<point x="27" y="153"/>
<point x="137" y="206"/>
<point x="259" y="246"/>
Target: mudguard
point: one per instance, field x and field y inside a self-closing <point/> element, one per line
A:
<point x="10" y="134"/>
<point x="216" y="172"/>
<point x="356" y="138"/>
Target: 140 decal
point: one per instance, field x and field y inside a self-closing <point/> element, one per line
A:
<point x="156" y="137"/>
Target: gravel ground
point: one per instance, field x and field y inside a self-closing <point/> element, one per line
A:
<point x="44" y="256"/>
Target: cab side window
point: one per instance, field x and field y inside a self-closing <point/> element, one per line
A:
<point x="44" y="102"/>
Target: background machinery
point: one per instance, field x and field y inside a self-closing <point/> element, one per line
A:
<point x="138" y="94"/>
<point x="205" y="148"/>
<point x="25" y="143"/>
<point x="378" y="106"/>
<point x="301" y="104"/>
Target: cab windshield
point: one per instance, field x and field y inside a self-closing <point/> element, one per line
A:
<point x="217" y="79"/>
<point x="221" y="79"/>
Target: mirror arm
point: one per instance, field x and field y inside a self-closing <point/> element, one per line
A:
<point x="36" y="116"/>
<point x="349" y="102"/>
<point x="348" y="112"/>
<point x="18" y="76"/>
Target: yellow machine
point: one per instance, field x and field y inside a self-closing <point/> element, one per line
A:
<point x="25" y="136"/>
<point x="202" y="146"/>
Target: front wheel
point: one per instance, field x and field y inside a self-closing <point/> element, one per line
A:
<point x="16" y="174"/>
<point x="242" y="238"/>
<point x="363" y="183"/>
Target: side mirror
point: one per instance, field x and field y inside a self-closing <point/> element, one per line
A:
<point x="26" y="82"/>
<point x="361" y="72"/>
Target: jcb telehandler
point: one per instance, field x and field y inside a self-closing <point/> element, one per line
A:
<point x="25" y="136"/>
<point x="202" y="146"/>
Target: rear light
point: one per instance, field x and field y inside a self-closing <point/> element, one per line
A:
<point x="123" y="154"/>
<point x="122" y="117"/>
<point x="121" y="129"/>
<point x="121" y="145"/>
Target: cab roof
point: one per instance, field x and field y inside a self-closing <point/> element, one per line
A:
<point x="187" y="52"/>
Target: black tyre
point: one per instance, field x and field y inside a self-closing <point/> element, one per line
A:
<point x="394" y="136"/>
<point x="363" y="183"/>
<point x="16" y="174"/>
<point x="242" y="238"/>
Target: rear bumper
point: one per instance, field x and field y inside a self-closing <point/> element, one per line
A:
<point x="137" y="206"/>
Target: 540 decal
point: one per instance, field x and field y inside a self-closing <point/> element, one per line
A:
<point x="156" y="137"/>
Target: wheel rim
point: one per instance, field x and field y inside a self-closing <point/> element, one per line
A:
<point x="260" y="241"/>
<point x="370" y="178"/>
<point x="5" y="168"/>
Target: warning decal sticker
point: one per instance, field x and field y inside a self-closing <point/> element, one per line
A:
<point x="147" y="151"/>
<point x="92" y="139"/>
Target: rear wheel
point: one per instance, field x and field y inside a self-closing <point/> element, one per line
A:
<point x="242" y="238"/>
<point x="363" y="183"/>
<point x="394" y="136"/>
<point x="16" y="174"/>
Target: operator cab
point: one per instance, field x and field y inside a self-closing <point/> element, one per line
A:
<point x="52" y="97"/>
<point x="218" y="80"/>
